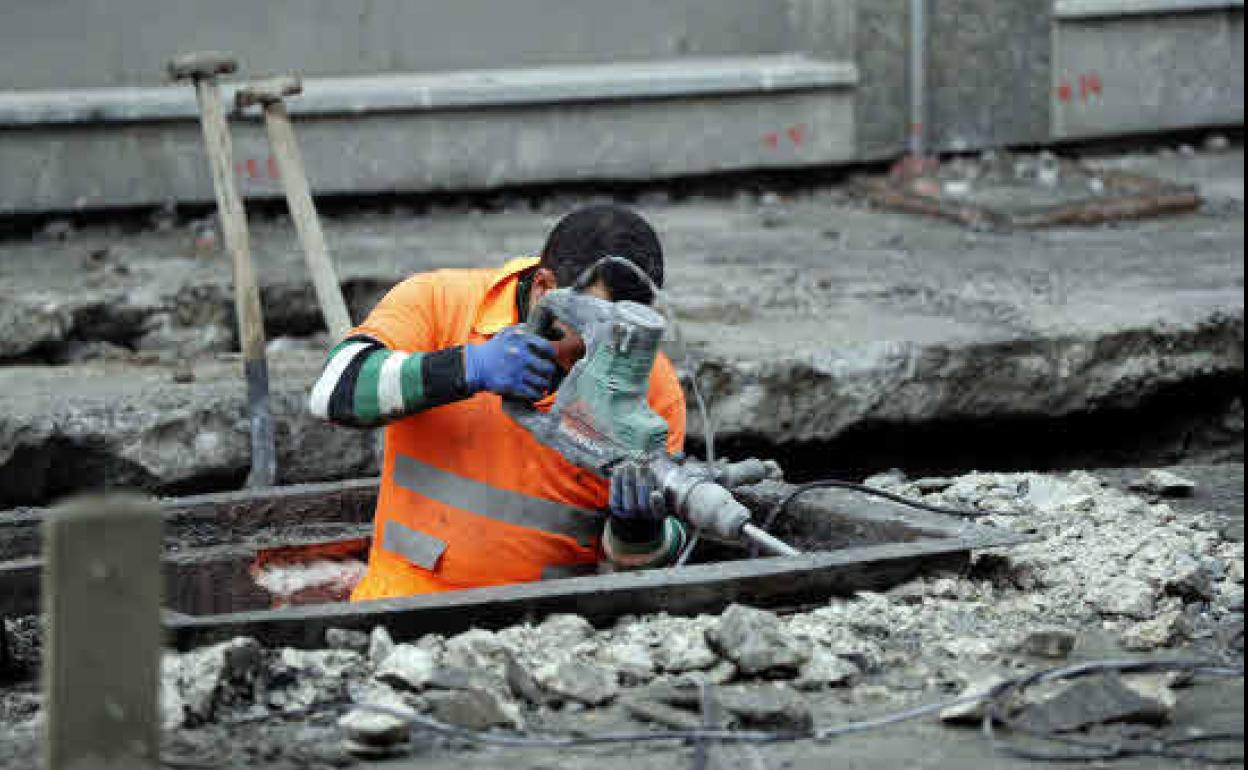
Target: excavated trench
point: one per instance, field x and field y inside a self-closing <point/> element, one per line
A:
<point x="1200" y="420"/>
<point x="277" y="564"/>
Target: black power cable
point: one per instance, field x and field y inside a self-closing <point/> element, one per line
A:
<point x="809" y="486"/>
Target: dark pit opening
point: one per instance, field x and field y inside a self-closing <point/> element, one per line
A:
<point x="1197" y="421"/>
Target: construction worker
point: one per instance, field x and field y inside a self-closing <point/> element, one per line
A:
<point x="468" y="497"/>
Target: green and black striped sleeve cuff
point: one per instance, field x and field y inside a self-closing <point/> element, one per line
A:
<point x="643" y="544"/>
<point x="364" y="384"/>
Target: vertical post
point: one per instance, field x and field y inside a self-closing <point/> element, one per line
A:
<point x="918" y="78"/>
<point x="101" y="596"/>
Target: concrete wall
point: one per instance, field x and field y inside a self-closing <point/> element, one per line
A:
<point x="49" y="44"/>
<point x="1000" y="73"/>
<point x="988" y="73"/>
<point x="1146" y="71"/>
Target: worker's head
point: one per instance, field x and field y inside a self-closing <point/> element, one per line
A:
<point x="584" y="237"/>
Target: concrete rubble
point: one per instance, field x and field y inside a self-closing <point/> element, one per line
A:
<point x="1105" y="559"/>
<point x="1096" y="563"/>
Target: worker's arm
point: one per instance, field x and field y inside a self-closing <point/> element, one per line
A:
<point x="365" y="384"/>
<point x="402" y="360"/>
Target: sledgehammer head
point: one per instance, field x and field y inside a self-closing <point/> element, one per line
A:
<point x="267" y="91"/>
<point x="201" y="65"/>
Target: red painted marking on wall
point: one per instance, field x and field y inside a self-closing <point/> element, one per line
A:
<point x="772" y="139"/>
<point x="271" y="167"/>
<point x="253" y="168"/>
<point x="797" y="134"/>
<point x="1090" y="85"/>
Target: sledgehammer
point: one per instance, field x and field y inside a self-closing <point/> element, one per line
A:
<point x="269" y="94"/>
<point x="202" y="70"/>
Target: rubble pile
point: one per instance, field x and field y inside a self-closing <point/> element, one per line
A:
<point x="1103" y="559"/>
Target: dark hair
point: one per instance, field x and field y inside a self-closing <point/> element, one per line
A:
<point x="588" y="234"/>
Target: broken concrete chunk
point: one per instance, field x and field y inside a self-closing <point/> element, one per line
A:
<point x="662" y="714"/>
<point x="975" y="647"/>
<point x="1127" y="596"/>
<point x="721" y="673"/>
<point x="931" y="484"/>
<point x="1166" y="630"/>
<point x="474" y="709"/>
<point x="447" y="677"/>
<point x="521" y="683"/>
<point x="1190" y="579"/>
<point x="912" y="592"/>
<point x="684" y="650"/>
<point x="1099" y="700"/>
<point x="1164" y="483"/>
<point x="172" y="707"/>
<point x="474" y="649"/>
<point x="633" y="662"/>
<point x="1231" y="595"/>
<point x="889" y="479"/>
<point x="219" y="675"/>
<point x="1155" y="687"/>
<point x="757" y="642"/>
<point x="1053" y="643"/>
<point x="374" y="728"/>
<point x="565" y="631"/>
<point x="407" y="667"/>
<point x="347" y="639"/>
<point x="299" y="679"/>
<point x="380" y="645"/>
<point x="576" y="680"/>
<point x="823" y="669"/>
<point x="769" y="706"/>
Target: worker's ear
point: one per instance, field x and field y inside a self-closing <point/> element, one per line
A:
<point x="543" y="281"/>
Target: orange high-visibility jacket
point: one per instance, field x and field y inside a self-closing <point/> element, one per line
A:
<point x="468" y="497"/>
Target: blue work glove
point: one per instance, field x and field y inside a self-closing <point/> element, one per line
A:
<point x="635" y="494"/>
<point x="511" y="363"/>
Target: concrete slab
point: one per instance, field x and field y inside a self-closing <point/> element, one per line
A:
<point x="812" y="319"/>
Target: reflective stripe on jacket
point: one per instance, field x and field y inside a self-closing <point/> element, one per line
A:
<point x="468" y="497"/>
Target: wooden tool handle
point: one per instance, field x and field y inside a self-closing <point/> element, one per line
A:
<point x="303" y="211"/>
<point x="246" y="292"/>
<point x="233" y="219"/>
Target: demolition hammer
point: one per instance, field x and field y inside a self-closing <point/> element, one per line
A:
<point x="600" y="417"/>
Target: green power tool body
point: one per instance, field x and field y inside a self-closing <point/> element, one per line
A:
<point x="600" y="417"/>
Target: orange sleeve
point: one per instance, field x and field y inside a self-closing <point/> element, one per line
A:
<point x="667" y="399"/>
<point x="405" y="318"/>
